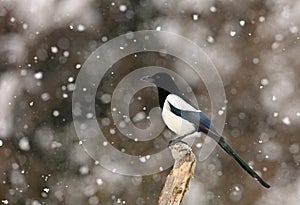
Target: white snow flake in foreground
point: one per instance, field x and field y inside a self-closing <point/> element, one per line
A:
<point x="122" y="124"/>
<point x="71" y="79"/>
<point x="1" y="143"/>
<point x="139" y="117"/>
<point x="294" y="29"/>
<point x="105" y="121"/>
<point x="71" y="87"/>
<point x="31" y="103"/>
<point x="210" y="39"/>
<point x="104" y="38"/>
<point x="65" y="95"/>
<point x="232" y="33"/>
<point x="112" y="131"/>
<point x="286" y="121"/>
<point x="199" y="145"/>
<point x="78" y="65"/>
<point x="80" y="27"/>
<point x="84" y="170"/>
<point x="220" y="112"/>
<point x="4" y="201"/>
<point x="294" y="148"/>
<point x="275" y="45"/>
<point x="15" y="166"/>
<point x="242" y="22"/>
<point x="261" y="19"/>
<point x="89" y="115"/>
<point x="122" y="8"/>
<point x="55" y="113"/>
<point x="255" y="61"/>
<point x="213" y="9"/>
<point x="24" y="144"/>
<point x="264" y="81"/>
<point x="66" y="54"/>
<point x="195" y="17"/>
<point x="12" y="19"/>
<point x="99" y="181"/>
<point x="25" y="26"/>
<point x="35" y="202"/>
<point x="105" y="98"/>
<point x="45" y="96"/>
<point x="38" y="75"/>
<point x="54" y="49"/>
<point x="46" y="189"/>
<point x="236" y="193"/>
<point x="55" y="144"/>
<point x="143" y="159"/>
<point x="158" y="28"/>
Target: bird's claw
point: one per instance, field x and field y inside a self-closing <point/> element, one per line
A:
<point x="176" y="140"/>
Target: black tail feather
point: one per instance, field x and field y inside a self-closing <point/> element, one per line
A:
<point x="220" y="140"/>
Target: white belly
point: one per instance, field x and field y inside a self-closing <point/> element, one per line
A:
<point x="175" y="123"/>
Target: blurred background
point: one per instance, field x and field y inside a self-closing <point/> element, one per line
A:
<point x="254" y="45"/>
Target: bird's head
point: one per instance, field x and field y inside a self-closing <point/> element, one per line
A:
<point x="160" y="79"/>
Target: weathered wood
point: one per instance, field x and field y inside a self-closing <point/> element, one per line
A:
<point x="178" y="180"/>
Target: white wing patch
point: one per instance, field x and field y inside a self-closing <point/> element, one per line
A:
<point x="175" y="123"/>
<point x="179" y="103"/>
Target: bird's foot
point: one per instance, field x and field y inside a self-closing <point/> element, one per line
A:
<point x="177" y="139"/>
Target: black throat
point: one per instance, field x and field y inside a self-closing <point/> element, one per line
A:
<point x="162" y="95"/>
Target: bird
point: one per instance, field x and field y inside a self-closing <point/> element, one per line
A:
<point x="182" y="117"/>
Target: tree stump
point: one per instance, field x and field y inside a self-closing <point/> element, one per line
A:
<point x="178" y="180"/>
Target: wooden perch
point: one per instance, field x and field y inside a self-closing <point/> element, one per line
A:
<point x="178" y="180"/>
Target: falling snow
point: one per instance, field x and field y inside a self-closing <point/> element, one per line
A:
<point x="24" y="144"/>
<point x="242" y="22"/>
<point x="55" y="113"/>
<point x="122" y="8"/>
<point x="139" y="117"/>
<point x="232" y="33"/>
<point x="213" y="9"/>
<point x="105" y="98"/>
<point x="45" y="96"/>
<point x="210" y="39"/>
<point x="78" y="66"/>
<point x="45" y="46"/>
<point x="54" y="49"/>
<point x="195" y="17"/>
<point x="38" y="75"/>
<point x="80" y="27"/>
<point x="4" y="201"/>
<point x="286" y="120"/>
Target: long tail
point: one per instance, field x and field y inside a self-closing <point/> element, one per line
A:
<point x="220" y="140"/>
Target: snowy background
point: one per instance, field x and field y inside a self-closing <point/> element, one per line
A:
<point x="43" y="44"/>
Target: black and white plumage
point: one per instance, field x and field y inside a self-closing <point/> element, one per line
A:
<point x="183" y="118"/>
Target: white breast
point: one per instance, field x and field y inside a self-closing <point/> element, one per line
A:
<point x="175" y="123"/>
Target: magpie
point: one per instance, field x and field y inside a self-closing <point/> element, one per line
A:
<point x="183" y="118"/>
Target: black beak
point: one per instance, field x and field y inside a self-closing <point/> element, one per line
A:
<point x="147" y="79"/>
